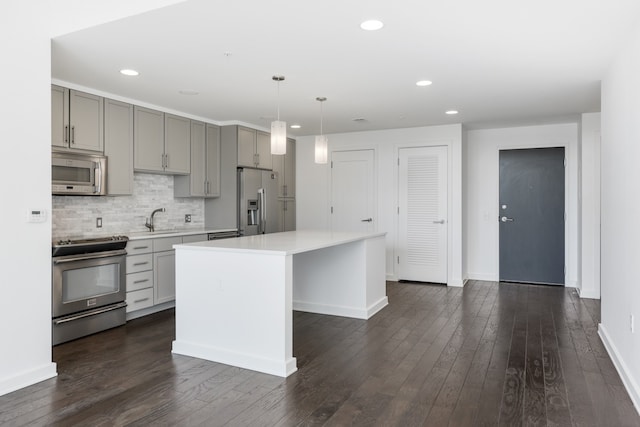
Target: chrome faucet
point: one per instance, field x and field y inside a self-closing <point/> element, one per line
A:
<point x="149" y="223"/>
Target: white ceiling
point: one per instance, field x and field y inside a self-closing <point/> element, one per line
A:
<point x="496" y="61"/>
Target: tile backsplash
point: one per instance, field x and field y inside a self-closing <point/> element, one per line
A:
<point x="75" y="216"/>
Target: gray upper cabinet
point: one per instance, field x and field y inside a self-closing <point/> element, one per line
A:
<point x="118" y="146"/>
<point x="177" y="143"/>
<point x="161" y="142"/>
<point x="263" y="150"/>
<point x="254" y="148"/>
<point x="213" y="161"/>
<point x="77" y="120"/>
<point x="204" y="179"/>
<point x="148" y="140"/>
<point x="285" y="165"/>
<point x="221" y="212"/>
<point x="59" y="116"/>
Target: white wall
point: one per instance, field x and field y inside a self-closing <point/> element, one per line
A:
<point x="589" y="265"/>
<point x="620" y="210"/>
<point x="25" y="305"/>
<point x="313" y="184"/>
<point x="481" y="188"/>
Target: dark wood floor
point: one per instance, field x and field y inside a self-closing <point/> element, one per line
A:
<point x="491" y="354"/>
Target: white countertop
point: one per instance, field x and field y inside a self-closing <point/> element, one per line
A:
<point x="174" y="232"/>
<point x="287" y="243"/>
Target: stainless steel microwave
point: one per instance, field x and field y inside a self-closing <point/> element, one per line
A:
<point x="78" y="174"/>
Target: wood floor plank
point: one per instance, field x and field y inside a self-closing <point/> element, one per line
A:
<point x="483" y="355"/>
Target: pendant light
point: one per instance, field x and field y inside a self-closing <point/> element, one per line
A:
<point x="321" y="140"/>
<point x="278" y="128"/>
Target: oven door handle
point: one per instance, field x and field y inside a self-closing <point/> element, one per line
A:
<point x="97" y="255"/>
<point x="90" y="313"/>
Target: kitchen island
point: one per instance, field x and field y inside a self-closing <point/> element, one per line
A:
<point x="235" y="297"/>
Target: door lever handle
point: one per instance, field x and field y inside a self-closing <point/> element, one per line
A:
<point x="505" y="219"/>
<point x="366" y="220"/>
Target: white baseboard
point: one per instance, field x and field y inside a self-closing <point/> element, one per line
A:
<point x="281" y="368"/>
<point x="27" y="378"/>
<point x="588" y="294"/>
<point x="456" y="283"/>
<point x="625" y="373"/>
<point x="335" y="310"/>
<point x="571" y="284"/>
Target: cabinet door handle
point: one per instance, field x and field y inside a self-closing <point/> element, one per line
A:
<point x="141" y="300"/>
<point x="140" y="281"/>
<point x="73" y="134"/>
<point x="167" y="157"/>
<point x="140" y="263"/>
<point x="66" y="133"/>
<point x="140" y="247"/>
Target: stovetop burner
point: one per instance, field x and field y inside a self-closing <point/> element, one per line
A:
<point x="85" y="246"/>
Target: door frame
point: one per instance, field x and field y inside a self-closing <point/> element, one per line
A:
<point x="448" y="203"/>
<point x="568" y="223"/>
<point x="454" y="210"/>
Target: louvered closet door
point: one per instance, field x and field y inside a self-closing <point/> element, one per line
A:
<point x="422" y="214"/>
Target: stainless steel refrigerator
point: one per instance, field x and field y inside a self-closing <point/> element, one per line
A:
<point x="257" y="202"/>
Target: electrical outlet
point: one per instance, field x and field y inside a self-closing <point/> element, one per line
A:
<point x="99" y="222"/>
<point x="187" y="218"/>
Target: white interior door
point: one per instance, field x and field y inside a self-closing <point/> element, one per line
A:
<point x="422" y="214"/>
<point x="352" y="190"/>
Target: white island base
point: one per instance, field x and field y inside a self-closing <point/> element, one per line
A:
<point x="235" y="298"/>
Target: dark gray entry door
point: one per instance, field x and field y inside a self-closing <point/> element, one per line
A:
<point x="531" y="215"/>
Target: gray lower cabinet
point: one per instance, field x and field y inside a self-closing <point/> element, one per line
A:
<point x="151" y="272"/>
<point x="139" y="266"/>
<point x="287" y="214"/>
<point x="164" y="276"/>
<point x="164" y="269"/>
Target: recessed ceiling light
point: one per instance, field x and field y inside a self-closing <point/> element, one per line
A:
<point x="371" y="25"/>
<point x="451" y="112"/>
<point x="295" y="126"/>
<point x="129" y="72"/>
<point x="424" y="83"/>
<point x="188" y="92"/>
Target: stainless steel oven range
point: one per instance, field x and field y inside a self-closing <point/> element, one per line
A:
<point x="89" y="286"/>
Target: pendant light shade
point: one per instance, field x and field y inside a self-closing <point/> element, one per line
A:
<point x="278" y="137"/>
<point x="278" y="128"/>
<point x="321" y="149"/>
<point x="322" y="141"/>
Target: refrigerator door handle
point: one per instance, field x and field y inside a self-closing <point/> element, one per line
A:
<point x="262" y="220"/>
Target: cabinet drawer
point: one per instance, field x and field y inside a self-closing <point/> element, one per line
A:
<point x="137" y="263"/>
<point x="166" y="243"/>
<point x="136" y="247"/>
<point x="141" y="280"/>
<point x="195" y="238"/>
<point x="137" y="300"/>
